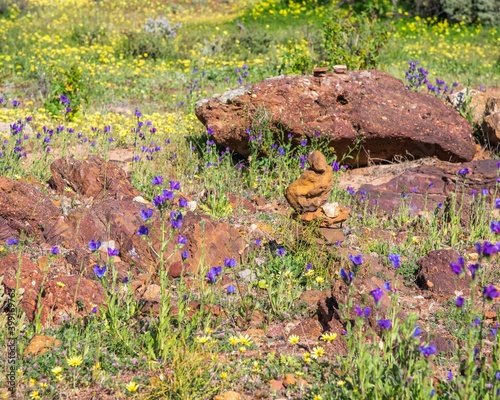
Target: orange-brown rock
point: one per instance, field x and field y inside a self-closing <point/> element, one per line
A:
<point x="312" y="189"/>
<point x="40" y="344"/>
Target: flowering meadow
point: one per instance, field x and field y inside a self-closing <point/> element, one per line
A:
<point x="119" y="79"/>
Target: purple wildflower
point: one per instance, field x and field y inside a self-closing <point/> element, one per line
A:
<point x="93" y="245"/>
<point x="395" y="259"/>
<point x="495" y="227"/>
<point x="11" y="242"/>
<point x="428" y="350"/>
<point x="280" y="252"/>
<point x="100" y="271"/>
<point x="183" y="202"/>
<point x="463" y="171"/>
<point x="175" y="185"/>
<point x="181" y="240"/>
<point x="356" y="260"/>
<point x="459" y="302"/>
<point x="229" y="262"/>
<point x="490" y="292"/>
<point x="112" y="252"/>
<point x="146" y="214"/>
<point x="377" y="294"/>
<point x="176" y="219"/>
<point x="231" y="289"/>
<point x="347" y="277"/>
<point x="459" y="266"/>
<point x="185" y="255"/>
<point x="143" y="231"/>
<point x="213" y="273"/>
<point x="384" y="324"/>
<point x="54" y="250"/>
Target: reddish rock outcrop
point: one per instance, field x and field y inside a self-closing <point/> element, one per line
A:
<point x="368" y="106"/>
<point x="208" y="241"/>
<point x="30" y="279"/>
<point x="68" y="296"/>
<point x="429" y="186"/>
<point x="24" y="209"/>
<point x="92" y="177"/>
<point x="435" y="274"/>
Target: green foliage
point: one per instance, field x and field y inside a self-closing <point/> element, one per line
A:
<point x="354" y="40"/>
<point x="69" y="83"/>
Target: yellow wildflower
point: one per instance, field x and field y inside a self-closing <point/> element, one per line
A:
<point x="132" y="387"/>
<point x="56" y="370"/>
<point x="35" y="395"/>
<point x="329" y="337"/>
<point x="233" y="340"/>
<point x="202" y="339"/>
<point x="293" y="339"/>
<point x="245" y="340"/>
<point x="74" y="361"/>
<point x="317" y="352"/>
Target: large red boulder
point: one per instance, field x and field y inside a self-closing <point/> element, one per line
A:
<point x="371" y="109"/>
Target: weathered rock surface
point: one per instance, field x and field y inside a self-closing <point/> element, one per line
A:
<point x="313" y="187"/>
<point x="371" y="106"/>
<point x="435" y="274"/>
<point x="119" y="220"/>
<point x="92" y="177"/>
<point x="68" y="296"/>
<point x="24" y="209"/>
<point x="491" y="122"/>
<point x="30" y="279"/>
<point x="426" y="187"/>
